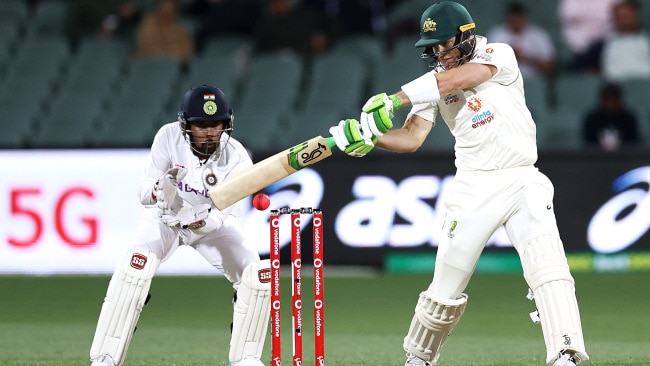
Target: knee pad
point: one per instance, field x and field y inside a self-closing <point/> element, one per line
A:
<point x="251" y="312"/>
<point x="127" y="294"/>
<point x="432" y="322"/>
<point x="547" y="273"/>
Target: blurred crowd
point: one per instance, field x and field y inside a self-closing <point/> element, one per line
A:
<point x="604" y="38"/>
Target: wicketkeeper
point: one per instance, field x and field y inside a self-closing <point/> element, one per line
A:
<point x="477" y="89"/>
<point x="189" y="157"/>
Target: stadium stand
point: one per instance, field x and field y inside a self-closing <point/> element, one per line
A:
<point x="269" y="96"/>
<point x="135" y="112"/>
<point x="29" y="87"/>
<point x="49" y="17"/>
<point x="278" y="99"/>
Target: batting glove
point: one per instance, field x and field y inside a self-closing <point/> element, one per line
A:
<point x="351" y="139"/>
<point x="380" y="110"/>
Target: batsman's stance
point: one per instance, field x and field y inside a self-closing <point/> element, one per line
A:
<point x="477" y="88"/>
<point x="188" y="158"/>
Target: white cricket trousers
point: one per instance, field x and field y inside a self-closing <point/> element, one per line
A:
<point x="225" y="248"/>
<point x="478" y="203"/>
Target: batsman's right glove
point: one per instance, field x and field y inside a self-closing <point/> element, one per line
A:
<point x="351" y="139"/>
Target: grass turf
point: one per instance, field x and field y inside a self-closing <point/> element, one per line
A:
<point x="51" y="321"/>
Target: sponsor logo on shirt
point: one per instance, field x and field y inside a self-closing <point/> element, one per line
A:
<point x="482" y="119"/>
<point x="453" y="98"/>
<point x="187" y="188"/>
<point x="474" y="104"/>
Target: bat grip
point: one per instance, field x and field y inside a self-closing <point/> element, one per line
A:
<point x="330" y="141"/>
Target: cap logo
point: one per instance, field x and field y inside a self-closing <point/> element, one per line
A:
<point x="429" y="26"/>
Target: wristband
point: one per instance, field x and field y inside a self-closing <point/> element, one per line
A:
<point x="423" y="89"/>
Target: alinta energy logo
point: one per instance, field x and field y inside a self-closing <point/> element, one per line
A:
<point x="625" y="218"/>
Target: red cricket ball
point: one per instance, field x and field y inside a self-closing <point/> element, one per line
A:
<point x="261" y="201"/>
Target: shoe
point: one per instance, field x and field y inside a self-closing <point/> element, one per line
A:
<point x="247" y="361"/>
<point x="565" y="359"/>
<point x="103" y="360"/>
<point x="412" y="360"/>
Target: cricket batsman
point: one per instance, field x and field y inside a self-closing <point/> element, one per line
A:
<point x="477" y="88"/>
<point x="187" y="158"/>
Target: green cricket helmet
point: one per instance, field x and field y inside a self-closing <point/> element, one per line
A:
<point x="441" y="22"/>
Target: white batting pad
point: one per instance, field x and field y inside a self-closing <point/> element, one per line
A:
<point x="251" y="312"/>
<point x="433" y="321"/>
<point x="547" y="272"/>
<point x="125" y="297"/>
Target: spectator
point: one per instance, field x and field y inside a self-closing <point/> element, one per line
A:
<point x="532" y="44"/>
<point x="286" y="26"/>
<point x="584" y="22"/>
<point x="220" y="17"/>
<point x="625" y="54"/>
<point x="106" y="19"/>
<point x="610" y="125"/>
<point x="161" y="34"/>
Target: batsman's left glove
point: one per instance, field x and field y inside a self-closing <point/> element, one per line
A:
<point x="378" y="113"/>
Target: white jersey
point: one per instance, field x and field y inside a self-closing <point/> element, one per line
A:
<point x="169" y="149"/>
<point x="492" y="126"/>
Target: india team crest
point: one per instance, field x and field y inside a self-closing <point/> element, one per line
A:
<point x="209" y="178"/>
<point x="209" y="104"/>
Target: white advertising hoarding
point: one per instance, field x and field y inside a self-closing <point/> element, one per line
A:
<point x="73" y="212"/>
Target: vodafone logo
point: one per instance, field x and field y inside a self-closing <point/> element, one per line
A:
<point x="276" y="305"/>
<point x="275" y="222"/>
<point x="317" y="222"/>
<point x="318" y="304"/>
<point x="275" y="264"/>
<point x="318" y="263"/>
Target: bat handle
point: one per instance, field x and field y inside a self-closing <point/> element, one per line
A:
<point x="330" y="141"/>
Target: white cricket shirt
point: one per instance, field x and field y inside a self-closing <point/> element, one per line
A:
<point x="491" y="123"/>
<point x="170" y="149"/>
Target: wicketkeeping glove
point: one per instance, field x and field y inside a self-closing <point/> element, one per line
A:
<point x="351" y="139"/>
<point x="188" y="217"/>
<point x="166" y="191"/>
<point x="378" y="113"/>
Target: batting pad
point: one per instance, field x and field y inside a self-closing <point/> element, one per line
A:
<point x="126" y="295"/>
<point x="547" y="273"/>
<point x="251" y="312"/>
<point x="433" y="321"/>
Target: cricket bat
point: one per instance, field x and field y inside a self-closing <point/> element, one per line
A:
<point x="271" y="170"/>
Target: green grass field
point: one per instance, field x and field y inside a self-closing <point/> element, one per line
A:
<point x="51" y="321"/>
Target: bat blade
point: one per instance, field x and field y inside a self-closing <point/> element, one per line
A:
<point x="271" y="170"/>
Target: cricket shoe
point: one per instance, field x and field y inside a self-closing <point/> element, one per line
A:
<point x="103" y="360"/>
<point x="565" y="359"/>
<point x="412" y="360"/>
<point x="247" y="361"/>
